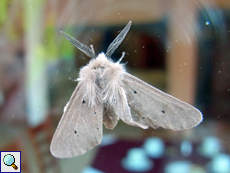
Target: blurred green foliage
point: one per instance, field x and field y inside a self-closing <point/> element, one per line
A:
<point x="3" y="11"/>
<point x="54" y="48"/>
<point x="26" y="15"/>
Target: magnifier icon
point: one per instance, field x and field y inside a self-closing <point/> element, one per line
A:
<point x="9" y="160"/>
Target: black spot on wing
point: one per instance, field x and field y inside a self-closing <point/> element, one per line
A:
<point x="83" y="101"/>
<point x="134" y="92"/>
<point x="163" y="111"/>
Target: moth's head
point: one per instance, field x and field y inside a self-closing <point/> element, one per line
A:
<point x="100" y="62"/>
<point x="101" y="67"/>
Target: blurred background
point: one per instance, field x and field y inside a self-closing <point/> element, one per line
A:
<point x="180" y="47"/>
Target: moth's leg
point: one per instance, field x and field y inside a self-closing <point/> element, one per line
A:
<point x="122" y="56"/>
<point x="91" y="46"/>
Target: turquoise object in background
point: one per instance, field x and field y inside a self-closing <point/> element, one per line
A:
<point x="186" y="148"/>
<point x="91" y="170"/>
<point x="137" y="161"/>
<point x="178" y="167"/>
<point x="210" y="147"/>
<point x="154" y="147"/>
<point x="220" y="163"/>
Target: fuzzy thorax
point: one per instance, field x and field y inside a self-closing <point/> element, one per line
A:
<point x="102" y="80"/>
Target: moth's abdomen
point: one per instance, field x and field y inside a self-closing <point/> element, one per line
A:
<point x="110" y="118"/>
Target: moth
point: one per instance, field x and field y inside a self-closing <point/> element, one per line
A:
<point x="106" y="93"/>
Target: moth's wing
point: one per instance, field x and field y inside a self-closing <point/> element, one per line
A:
<point x="79" y="129"/>
<point x="137" y="118"/>
<point x="122" y="109"/>
<point x="157" y="108"/>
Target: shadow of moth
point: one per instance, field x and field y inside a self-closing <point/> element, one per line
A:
<point x="106" y="93"/>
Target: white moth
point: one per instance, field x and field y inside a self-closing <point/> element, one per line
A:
<point x="106" y="93"/>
